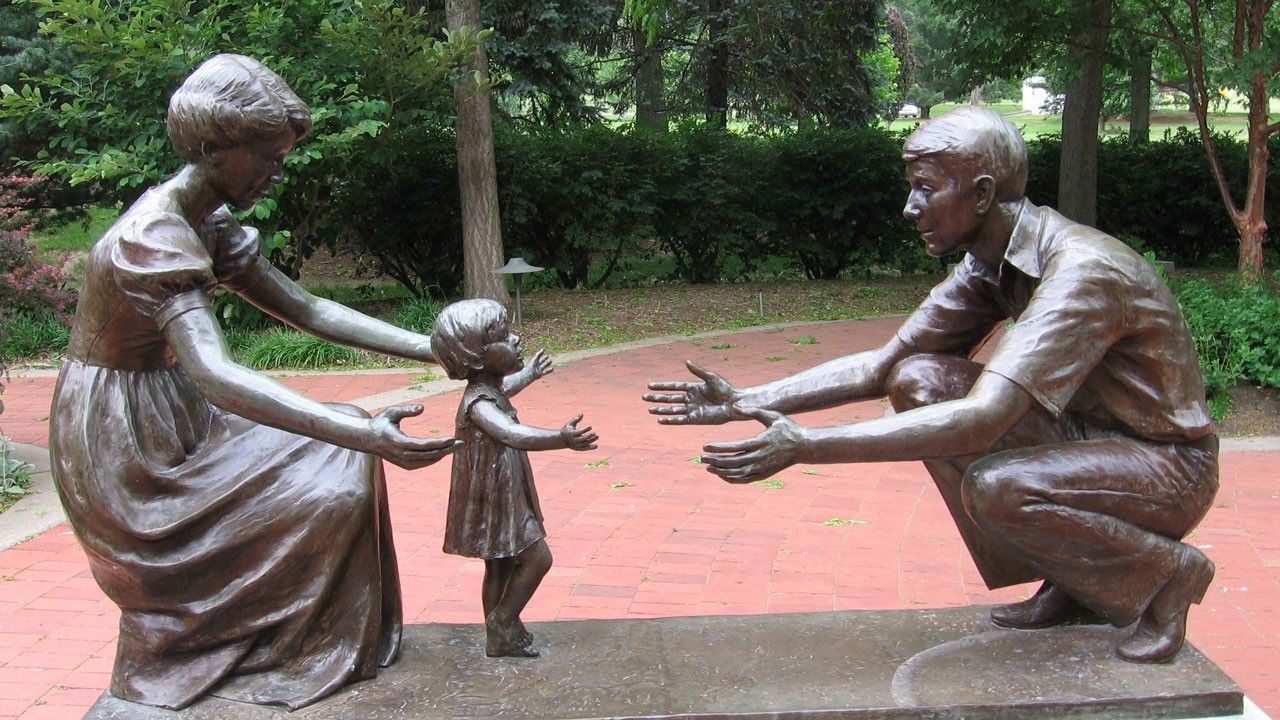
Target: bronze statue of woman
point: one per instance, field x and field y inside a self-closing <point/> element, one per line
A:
<point x="241" y="527"/>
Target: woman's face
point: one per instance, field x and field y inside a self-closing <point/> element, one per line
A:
<point x="244" y="173"/>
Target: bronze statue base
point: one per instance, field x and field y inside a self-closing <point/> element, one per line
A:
<point x="950" y="663"/>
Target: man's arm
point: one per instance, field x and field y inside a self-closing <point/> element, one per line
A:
<point x="710" y="402"/>
<point x="959" y="427"/>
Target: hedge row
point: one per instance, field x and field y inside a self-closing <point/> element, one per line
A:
<point x="586" y="200"/>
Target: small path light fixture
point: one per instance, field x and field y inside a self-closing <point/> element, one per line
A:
<point x="518" y="267"/>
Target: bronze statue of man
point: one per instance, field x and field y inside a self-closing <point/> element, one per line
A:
<point x="1081" y="453"/>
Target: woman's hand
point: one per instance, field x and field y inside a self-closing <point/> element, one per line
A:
<point x="576" y="438"/>
<point x="693" y="403"/>
<point x="410" y="453"/>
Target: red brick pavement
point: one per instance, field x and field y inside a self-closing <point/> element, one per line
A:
<point x="639" y="530"/>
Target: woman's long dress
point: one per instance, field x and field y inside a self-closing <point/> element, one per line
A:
<point x="248" y="562"/>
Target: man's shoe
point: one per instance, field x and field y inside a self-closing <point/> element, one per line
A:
<point x="1048" y="607"/>
<point x="1163" y="627"/>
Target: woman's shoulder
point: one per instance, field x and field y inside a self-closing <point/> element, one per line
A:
<point x="153" y="229"/>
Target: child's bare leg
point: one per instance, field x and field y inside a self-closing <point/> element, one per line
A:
<point x="496" y="574"/>
<point x="507" y="635"/>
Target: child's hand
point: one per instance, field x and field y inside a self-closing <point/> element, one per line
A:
<point x="540" y="364"/>
<point x="576" y="438"/>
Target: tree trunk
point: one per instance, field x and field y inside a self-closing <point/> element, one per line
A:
<point x="718" y="68"/>
<point x="1140" y="93"/>
<point x="975" y="95"/>
<point x="1251" y="221"/>
<point x="477" y="171"/>
<point x="650" y="109"/>
<point x="1078" y="171"/>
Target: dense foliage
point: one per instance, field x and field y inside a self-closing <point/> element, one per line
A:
<point x="1234" y="329"/>
<point x="362" y="65"/>
<point x="585" y="201"/>
<point x="1159" y="196"/>
<point x="581" y="201"/>
<point x="34" y="299"/>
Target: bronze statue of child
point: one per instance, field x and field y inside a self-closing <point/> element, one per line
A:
<point x="493" y="506"/>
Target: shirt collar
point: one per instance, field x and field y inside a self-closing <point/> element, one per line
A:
<point x="1021" y="253"/>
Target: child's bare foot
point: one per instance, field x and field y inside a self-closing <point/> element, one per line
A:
<point x="522" y="633"/>
<point x="505" y="639"/>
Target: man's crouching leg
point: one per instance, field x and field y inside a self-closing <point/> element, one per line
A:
<point x="927" y="379"/>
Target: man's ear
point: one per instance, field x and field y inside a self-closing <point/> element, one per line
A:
<point x="984" y="193"/>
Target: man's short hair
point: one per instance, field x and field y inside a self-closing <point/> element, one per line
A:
<point x="977" y="141"/>
<point x="230" y="100"/>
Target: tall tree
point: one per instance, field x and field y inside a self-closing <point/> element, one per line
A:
<point x="651" y="111"/>
<point x="1002" y="39"/>
<point x="477" y="169"/>
<point x="779" y="62"/>
<point x="1078" y="168"/>
<point x="1234" y="45"/>
<point x="1139" y="91"/>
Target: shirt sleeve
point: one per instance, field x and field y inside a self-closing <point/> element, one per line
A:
<point x="958" y="314"/>
<point x="1074" y="318"/>
<point x="235" y="250"/>
<point x="162" y="268"/>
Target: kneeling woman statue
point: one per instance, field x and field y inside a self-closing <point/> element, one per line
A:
<point x="241" y="528"/>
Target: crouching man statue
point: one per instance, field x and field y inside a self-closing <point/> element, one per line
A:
<point x="1081" y="453"/>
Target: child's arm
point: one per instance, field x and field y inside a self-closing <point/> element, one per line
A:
<point x="497" y="425"/>
<point x="539" y="366"/>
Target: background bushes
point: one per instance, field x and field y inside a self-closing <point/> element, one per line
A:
<point x="589" y="202"/>
<point x="1160" y="196"/>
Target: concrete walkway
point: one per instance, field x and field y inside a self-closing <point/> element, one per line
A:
<point x="638" y="529"/>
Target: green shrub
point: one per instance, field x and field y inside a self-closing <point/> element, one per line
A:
<point x="31" y="334"/>
<point x="292" y="349"/>
<point x="419" y="314"/>
<point x="1235" y="330"/>
<point x="15" y="475"/>
<point x="611" y="207"/>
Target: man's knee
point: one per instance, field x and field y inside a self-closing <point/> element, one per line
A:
<point x="995" y="493"/>
<point x="925" y="379"/>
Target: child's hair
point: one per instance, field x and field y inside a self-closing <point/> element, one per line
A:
<point x="230" y="100"/>
<point x="461" y="332"/>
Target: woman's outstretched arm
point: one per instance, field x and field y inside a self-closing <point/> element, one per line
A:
<point x="201" y="350"/>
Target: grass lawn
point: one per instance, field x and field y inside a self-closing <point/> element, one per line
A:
<point x="76" y="236"/>
<point x="1164" y="120"/>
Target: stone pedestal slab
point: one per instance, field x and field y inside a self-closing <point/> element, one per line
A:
<point x="935" y="664"/>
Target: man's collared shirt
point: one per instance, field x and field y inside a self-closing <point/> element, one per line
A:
<point x="1096" y="332"/>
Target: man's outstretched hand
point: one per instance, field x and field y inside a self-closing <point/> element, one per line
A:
<point x="743" y="461"/>
<point x="708" y="402"/>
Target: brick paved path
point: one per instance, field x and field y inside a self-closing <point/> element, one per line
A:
<point x="638" y="529"/>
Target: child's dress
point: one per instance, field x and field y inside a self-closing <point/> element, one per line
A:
<point x="493" y="507"/>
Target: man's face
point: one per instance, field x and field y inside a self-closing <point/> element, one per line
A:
<point x="942" y="206"/>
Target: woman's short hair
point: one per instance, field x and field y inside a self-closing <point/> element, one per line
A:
<point x="979" y="142"/>
<point x="230" y="100"/>
<point x="461" y="332"/>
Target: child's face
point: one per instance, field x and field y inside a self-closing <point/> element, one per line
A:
<point x="503" y="354"/>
